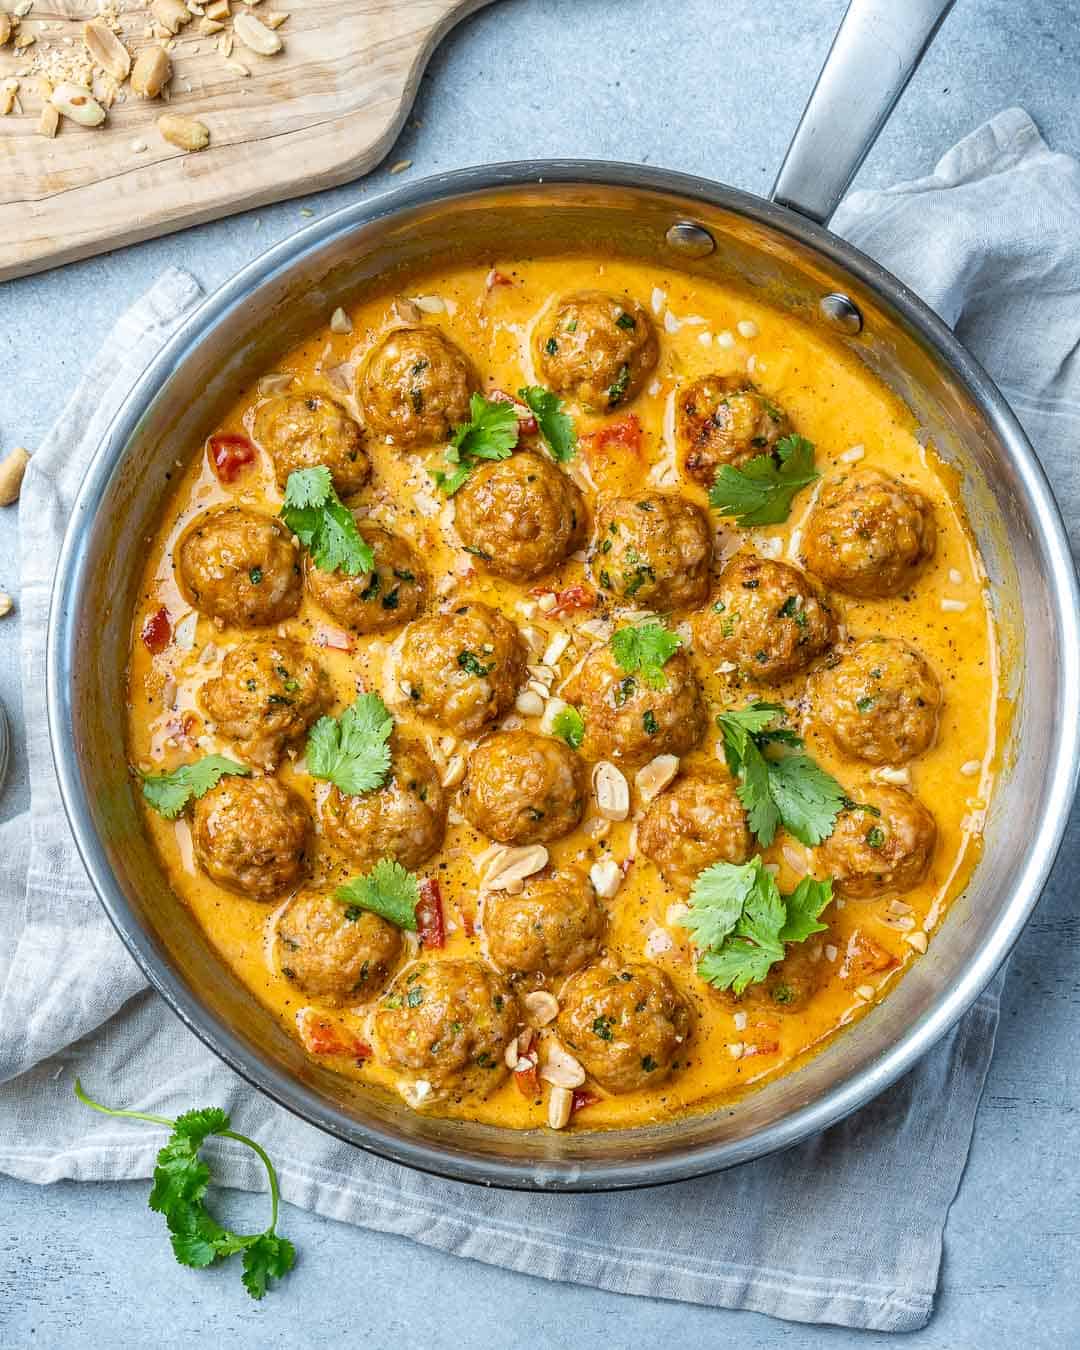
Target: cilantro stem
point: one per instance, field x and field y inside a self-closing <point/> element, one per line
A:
<point x="271" y="1171"/>
<point x="115" y="1111"/>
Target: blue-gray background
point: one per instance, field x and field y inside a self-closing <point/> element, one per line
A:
<point x="715" y="88"/>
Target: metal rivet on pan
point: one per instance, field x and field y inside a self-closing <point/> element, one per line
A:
<point x="692" y="241"/>
<point x="842" y="312"/>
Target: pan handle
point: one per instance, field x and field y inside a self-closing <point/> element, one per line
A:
<point x="876" y="51"/>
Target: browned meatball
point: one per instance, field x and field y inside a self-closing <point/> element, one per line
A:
<point x="628" y="720"/>
<point x="524" y="788"/>
<point x="335" y="952"/>
<point x="766" y="618"/>
<point x="552" y="927"/>
<point x="883" y="844"/>
<point x="252" y="835"/>
<point x="392" y="594"/>
<point x="521" y="516"/>
<point x="462" y="669"/>
<point x="790" y="984"/>
<point x="653" y="551"/>
<point x="405" y="819"/>
<point x="596" y="348"/>
<point x="299" y="431"/>
<point x="879" y="702"/>
<point x="625" y="1022"/>
<point x="725" y="419"/>
<point x="868" y="534"/>
<point x="444" y="1027"/>
<point x="696" y="822"/>
<point x="268" y="693"/>
<point x="414" y="387"/>
<point x="240" y="567"/>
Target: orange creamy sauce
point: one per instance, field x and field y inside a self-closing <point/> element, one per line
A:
<point x="832" y="400"/>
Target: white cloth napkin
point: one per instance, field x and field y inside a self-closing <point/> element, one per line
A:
<point x="842" y="1229"/>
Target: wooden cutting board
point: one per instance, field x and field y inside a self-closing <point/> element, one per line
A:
<point x="322" y="111"/>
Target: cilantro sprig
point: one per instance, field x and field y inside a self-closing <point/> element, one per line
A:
<point x="169" y="793"/>
<point x="352" y="751"/>
<point x="793" y="791"/>
<point x="644" y="650"/>
<point x="569" y="724"/>
<point x="761" y="493"/>
<point x="181" y="1178"/>
<point x="387" y="890"/>
<point x="490" y="433"/>
<point x="742" y="923"/>
<point x="324" y="524"/>
<point x="555" y="426"/>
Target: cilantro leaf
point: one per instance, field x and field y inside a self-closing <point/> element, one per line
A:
<point x="268" y="1257"/>
<point x="169" y="793"/>
<point x="762" y="491"/>
<point x="324" y="524"/>
<point x="387" y="890"/>
<point x="181" y="1178"/>
<point x="352" y="751"/>
<point x="645" y="649"/>
<point x="490" y="433"/>
<point x="793" y="790"/>
<point x="808" y="798"/>
<point x="741" y="922"/>
<point x="555" y="426"/>
<point x="716" y="901"/>
<point x="804" y="907"/>
<point x="570" y="725"/>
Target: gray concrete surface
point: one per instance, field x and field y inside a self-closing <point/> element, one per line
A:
<point x="711" y="88"/>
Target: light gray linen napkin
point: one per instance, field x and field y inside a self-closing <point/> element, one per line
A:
<point x="844" y="1228"/>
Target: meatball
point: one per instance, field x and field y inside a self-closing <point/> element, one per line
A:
<point x="524" y="788"/>
<point x="724" y="419"/>
<point x="625" y="1022"/>
<point x="868" y="534"/>
<point x="414" y="387"/>
<point x="696" y="822"/>
<point x="522" y="516"/>
<point x="268" y="693"/>
<point x="879" y="702"/>
<point x="654" y="551"/>
<point x="405" y="819"/>
<point x="462" y="669"/>
<point x="335" y="952"/>
<point x="390" y="595"/>
<point x="444" y="1027"/>
<point x="882" y="844"/>
<point x="299" y="431"/>
<point x="252" y="835"/>
<point x="596" y="348"/>
<point x="767" y="619"/>
<point x="551" y="927"/>
<point x="790" y="984"/>
<point x="240" y="567"/>
<point x="627" y="719"/>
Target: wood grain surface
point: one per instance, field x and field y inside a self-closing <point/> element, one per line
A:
<point x="320" y="112"/>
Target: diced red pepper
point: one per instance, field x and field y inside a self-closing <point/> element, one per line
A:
<point x="581" y="1099"/>
<point x="430" y="923"/>
<point x="572" y="598"/>
<point x="229" y="453"/>
<point x="624" y="434"/>
<point x="760" y="1048"/>
<point x="323" y="1035"/>
<point x="497" y="278"/>
<point x="528" y="1080"/>
<point x="157" y="631"/>
<point x="468" y="922"/>
<point x="527" y="423"/>
<point x="335" y="638"/>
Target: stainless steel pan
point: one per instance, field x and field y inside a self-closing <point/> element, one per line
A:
<point x="780" y="248"/>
